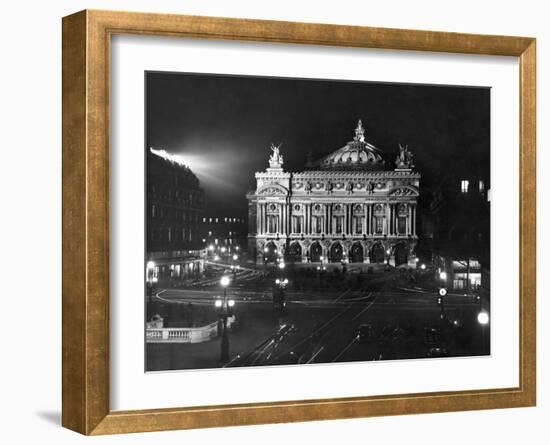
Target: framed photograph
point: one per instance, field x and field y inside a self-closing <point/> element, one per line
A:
<point x="278" y="222"/>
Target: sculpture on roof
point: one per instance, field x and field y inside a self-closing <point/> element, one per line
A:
<point x="404" y="159"/>
<point x="276" y="158"/>
<point x="359" y="132"/>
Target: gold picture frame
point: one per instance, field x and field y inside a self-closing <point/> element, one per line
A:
<point x="86" y="51"/>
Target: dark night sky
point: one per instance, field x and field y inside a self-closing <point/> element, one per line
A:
<point x="223" y="126"/>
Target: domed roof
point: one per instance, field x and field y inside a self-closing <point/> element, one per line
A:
<point x="357" y="154"/>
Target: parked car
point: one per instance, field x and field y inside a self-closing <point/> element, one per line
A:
<point x="434" y="344"/>
<point x="364" y="333"/>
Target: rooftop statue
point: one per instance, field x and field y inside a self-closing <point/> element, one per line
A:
<point x="276" y="158"/>
<point x="404" y="159"/>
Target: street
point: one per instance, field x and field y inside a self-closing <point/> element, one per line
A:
<point x="321" y="325"/>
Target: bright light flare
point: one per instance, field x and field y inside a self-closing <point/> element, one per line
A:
<point x="483" y="318"/>
<point x="224" y="281"/>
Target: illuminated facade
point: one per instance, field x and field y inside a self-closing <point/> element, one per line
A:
<point x="346" y="207"/>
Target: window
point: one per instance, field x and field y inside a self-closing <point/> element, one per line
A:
<point x="481" y="186"/>
<point x="169" y="233"/>
<point x="338" y="224"/>
<point x="153" y="211"/>
<point x="379" y="224"/>
<point x="358" y="224"/>
<point x="297" y="224"/>
<point x="318" y="221"/>
<point x="401" y="225"/>
<point x="464" y="184"/>
<point x="272" y="221"/>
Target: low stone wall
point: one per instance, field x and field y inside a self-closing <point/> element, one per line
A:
<point x="185" y="335"/>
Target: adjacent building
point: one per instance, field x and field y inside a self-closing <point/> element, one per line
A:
<point x="224" y="235"/>
<point x="175" y="206"/>
<point x="460" y="209"/>
<point x="348" y="206"/>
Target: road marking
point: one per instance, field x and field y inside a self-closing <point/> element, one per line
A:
<point x="315" y="355"/>
<point x="314" y="332"/>
<point x="343" y="351"/>
<point x="341" y="295"/>
<point x="367" y="308"/>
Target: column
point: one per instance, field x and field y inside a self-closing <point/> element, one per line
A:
<point x="409" y="218"/>
<point x="306" y="218"/>
<point x="387" y="225"/>
<point x="395" y="216"/>
<point x="327" y="210"/>
<point x="365" y="219"/>
<point x="345" y="225"/>
<point x="414" y="220"/>
<point x="392" y="216"/>
<point x="258" y="218"/>
<point x="369" y="219"/>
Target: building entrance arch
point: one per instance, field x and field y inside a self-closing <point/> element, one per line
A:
<point x="315" y="252"/>
<point x="295" y="252"/>
<point x="357" y="253"/>
<point x="401" y="255"/>
<point x="336" y="253"/>
<point x="270" y="252"/>
<point x="377" y="253"/>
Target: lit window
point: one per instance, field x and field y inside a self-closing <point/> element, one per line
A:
<point x="464" y="185"/>
<point x="153" y="211"/>
<point x="481" y="186"/>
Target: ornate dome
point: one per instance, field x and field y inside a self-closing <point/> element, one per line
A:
<point x="357" y="154"/>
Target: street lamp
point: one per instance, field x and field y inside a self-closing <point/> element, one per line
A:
<point x="443" y="275"/>
<point x="225" y="310"/>
<point x="151" y="279"/>
<point x="483" y="320"/>
<point x="279" y="293"/>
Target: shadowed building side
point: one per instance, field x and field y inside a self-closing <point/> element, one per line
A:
<point x="175" y="206"/>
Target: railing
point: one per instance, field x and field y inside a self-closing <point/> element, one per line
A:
<point x="185" y="335"/>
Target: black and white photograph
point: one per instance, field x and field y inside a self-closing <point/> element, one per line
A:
<point x="296" y="221"/>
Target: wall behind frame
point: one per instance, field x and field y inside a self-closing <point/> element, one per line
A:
<point x="30" y="180"/>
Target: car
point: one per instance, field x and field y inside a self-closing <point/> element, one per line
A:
<point x="364" y="333"/>
<point x="431" y="337"/>
<point x="437" y="351"/>
<point x="434" y="343"/>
